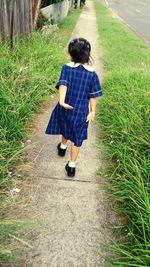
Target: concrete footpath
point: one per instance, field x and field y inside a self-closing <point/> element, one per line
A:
<point x="71" y="215"/>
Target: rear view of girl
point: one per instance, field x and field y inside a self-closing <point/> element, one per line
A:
<point x="79" y="86"/>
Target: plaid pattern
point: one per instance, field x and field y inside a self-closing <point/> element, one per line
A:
<point x="81" y="86"/>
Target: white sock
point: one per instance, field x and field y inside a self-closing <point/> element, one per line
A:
<point x="72" y="164"/>
<point x="63" y="146"/>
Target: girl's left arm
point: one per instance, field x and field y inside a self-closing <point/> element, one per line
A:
<point x="92" y="104"/>
<point x="95" y="91"/>
<point x="91" y="115"/>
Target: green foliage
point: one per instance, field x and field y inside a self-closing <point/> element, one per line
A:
<point x="41" y="21"/>
<point x="82" y="2"/>
<point x="45" y="3"/>
<point x="124" y="119"/>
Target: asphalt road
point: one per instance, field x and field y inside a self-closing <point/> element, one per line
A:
<point x="136" y="13"/>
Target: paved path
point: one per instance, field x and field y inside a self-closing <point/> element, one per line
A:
<point x="136" y="13"/>
<point x="71" y="215"/>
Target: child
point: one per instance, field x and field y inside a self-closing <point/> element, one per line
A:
<point x="78" y="87"/>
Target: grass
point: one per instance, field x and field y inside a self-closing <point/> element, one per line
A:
<point x="123" y="115"/>
<point x="28" y="75"/>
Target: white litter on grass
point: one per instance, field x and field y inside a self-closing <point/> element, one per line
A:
<point x="23" y="68"/>
<point x="16" y="190"/>
<point x="22" y="144"/>
<point x="9" y="175"/>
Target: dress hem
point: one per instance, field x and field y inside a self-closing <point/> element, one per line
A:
<point x="78" y="145"/>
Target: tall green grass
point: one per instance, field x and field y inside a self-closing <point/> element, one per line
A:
<point x="28" y="74"/>
<point x="123" y="115"/>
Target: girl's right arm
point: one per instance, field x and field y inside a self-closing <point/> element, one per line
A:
<point x="62" y="95"/>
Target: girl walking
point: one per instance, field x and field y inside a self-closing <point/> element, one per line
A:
<point x="79" y="86"/>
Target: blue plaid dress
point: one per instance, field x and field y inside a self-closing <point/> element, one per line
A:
<point x="82" y="84"/>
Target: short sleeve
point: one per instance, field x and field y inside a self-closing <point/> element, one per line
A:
<point x="63" y="78"/>
<point x="95" y="87"/>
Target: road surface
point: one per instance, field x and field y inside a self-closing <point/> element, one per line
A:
<point x="136" y="13"/>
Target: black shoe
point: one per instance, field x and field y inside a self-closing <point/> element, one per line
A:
<point x="61" y="152"/>
<point x="70" y="170"/>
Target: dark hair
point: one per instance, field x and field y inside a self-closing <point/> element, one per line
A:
<point x="79" y="49"/>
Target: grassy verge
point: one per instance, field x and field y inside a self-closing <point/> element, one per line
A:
<point x="28" y="76"/>
<point x="123" y="117"/>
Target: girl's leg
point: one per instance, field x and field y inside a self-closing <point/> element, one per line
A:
<point x="62" y="147"/>
<point x="71" y="165"/>
<point x="74" y="152"/>
<point x="64" y="140"/>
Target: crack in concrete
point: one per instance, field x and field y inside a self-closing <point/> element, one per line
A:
<point x="65" y="179"/>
